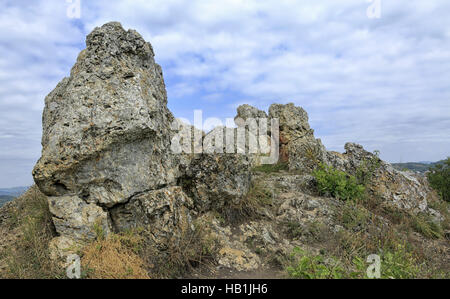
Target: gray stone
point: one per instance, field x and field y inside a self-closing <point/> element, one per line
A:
<point x="105" y="132"/>
<point x="298" y="147"/>
<point x="217" y="180"/>
<point x="165" y="213"/>
<point x="76" y="219"/>
<point x="397" y="189"/>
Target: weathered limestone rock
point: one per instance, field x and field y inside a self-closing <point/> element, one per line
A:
<point x="229" y="252"/>
<point x="77" y="219"/>
<point x="399" y="189"/>
<point x="219" y="175"/>
<point x="165" y="213"/>
<point x="245" y="112"/>
<point x="217" y="180"/>
<point x="108" y="158"/>
<point x="298" y="146"/>
<point x="111" y="161"/>
<point x="106" y="127"/>
<point x="106" y="133"/>
<point x="61" y="247"/>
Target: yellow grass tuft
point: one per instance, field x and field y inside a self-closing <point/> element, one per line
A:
<point x="114" y="257"/>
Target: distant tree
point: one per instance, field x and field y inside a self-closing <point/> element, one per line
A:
<point x="439" y="178"/>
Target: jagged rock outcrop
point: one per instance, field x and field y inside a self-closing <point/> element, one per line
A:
<point x="396" y="188"/>
<point x="164" y="213"/>
<point x="298" y="146"/>
<point x="108" y="158"/>
<point x="218" y="180"/>
<point x="106" y="131"/>
<point x="302" y="151"/>
<point x="245" y="112"/>
<point x="106" y="128"/>
<point x="113" y="159"/>
<point x="75" y="219"/>
<point x="220" y="176"/>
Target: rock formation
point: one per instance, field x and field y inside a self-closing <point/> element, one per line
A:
<point x="106" y="158"/>
<point x="400" y="189"/>
<point x="109" y="161"/>
<point x="298" y="146"/>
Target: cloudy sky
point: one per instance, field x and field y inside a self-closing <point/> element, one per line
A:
<point x="382" y="82"/>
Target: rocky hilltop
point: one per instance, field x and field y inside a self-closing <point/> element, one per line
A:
<point x="108" y="165"/>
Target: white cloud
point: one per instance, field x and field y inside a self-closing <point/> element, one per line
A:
<point x="381" y="82"/>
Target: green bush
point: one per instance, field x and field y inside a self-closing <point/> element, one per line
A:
<point x="395" y="263"/>
<point x="439" y="178"/>
<point x="338" y="184"/>
<point x="305" y="266"/>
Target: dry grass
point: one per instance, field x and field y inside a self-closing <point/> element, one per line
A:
<point x="114" y="257"/>
<point x="29" y="257"/>
<point x="252" y="206"/>
<point x="423" y="249"/>
<point x="127" y="255"/>
<point x="179" y="257"/>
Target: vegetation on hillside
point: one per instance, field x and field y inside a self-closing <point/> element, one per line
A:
<point x="439" y="179"/>
<point x="341" y="185"/>
<point x="30" y="255"/>
<point x="409" y="245"/>
<point x="336" y="183"/>
<point x="126" y="255"/>
<point x="403" y="253"/>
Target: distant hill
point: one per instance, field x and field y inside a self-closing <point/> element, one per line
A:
<point x="8" y="194"/>
<point x="416" y="166"/>
<point x="4" y="199"/>
<point x="16" y="191"/>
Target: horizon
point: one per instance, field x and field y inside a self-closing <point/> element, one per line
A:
<point x="380" y="81"/>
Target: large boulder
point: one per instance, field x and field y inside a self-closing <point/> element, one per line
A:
<point x="106" y="127"/>
<point x="106" y="132"/>
<point x="164" y="213"/>
<point x="298" y="146"/>
<point x="396" y="188"/>
<point x="111" y="155"/>
<point x="76" y="219"/>
<point x="217" y="179"/>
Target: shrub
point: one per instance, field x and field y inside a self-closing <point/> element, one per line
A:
<point x="305" y="266"/>
<point x="338" y="184"/>
<point x="354" y="217"/>
<point x="310" y="232"/>
<point x="396" y="263"/>
<point x="179" y="256"/>
<point x="439" y="178"/>
<point x="251" y="206"/>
